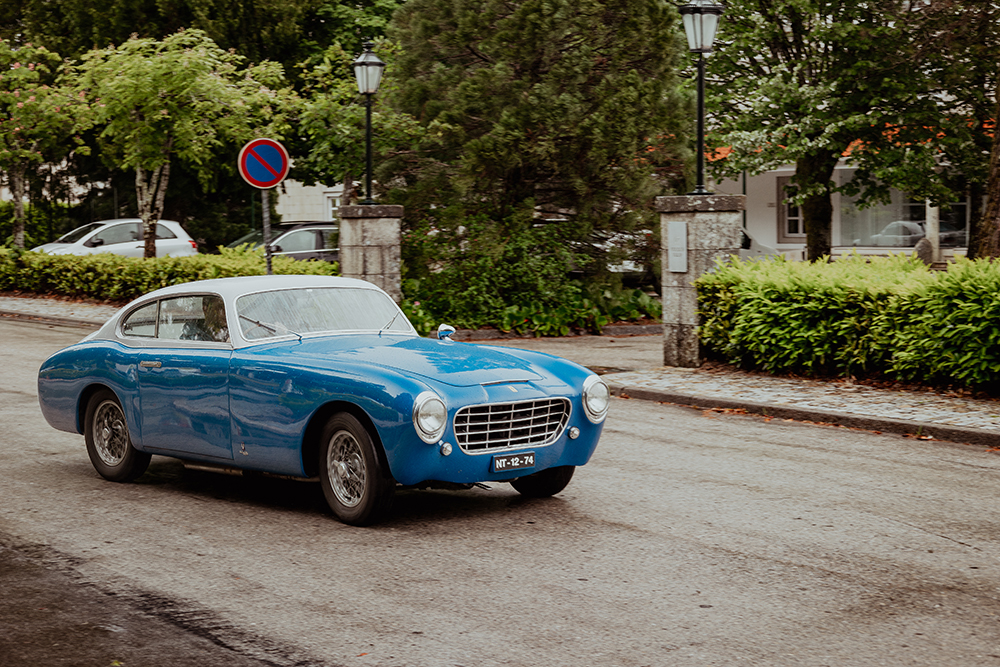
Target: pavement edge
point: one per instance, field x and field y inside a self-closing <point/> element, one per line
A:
<point x="958" y="434"/>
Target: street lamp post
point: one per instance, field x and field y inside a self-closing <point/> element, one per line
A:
<point x="368" y="70"/>
<point x="701" y="18"/>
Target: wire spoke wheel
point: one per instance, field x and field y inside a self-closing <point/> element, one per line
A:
<point x="348" y="472"/>
<point x="110" y="433"/>
<point x="108" y="442"/>
<point x="352" y="470"/>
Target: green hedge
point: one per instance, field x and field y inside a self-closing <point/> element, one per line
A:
<point x="113" y="278"/>
<point x="886" y="316"/>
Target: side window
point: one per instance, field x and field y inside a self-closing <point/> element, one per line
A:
<point x="193" y="318"/>
<point x="122" y="233"/>
<point x="163" y="232"/>
<point x="141" y="322"/>
<point x="298" y="241"/>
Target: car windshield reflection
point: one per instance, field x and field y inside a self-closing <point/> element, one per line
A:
<point x="317" y="310"/>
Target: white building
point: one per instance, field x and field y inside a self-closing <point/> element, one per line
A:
<point x="876" y="230"/>
<point x="309" y="203"/>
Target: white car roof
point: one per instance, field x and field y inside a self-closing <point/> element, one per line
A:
<point x="230" y="288"/>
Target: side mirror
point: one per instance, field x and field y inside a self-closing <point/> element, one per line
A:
<point x="445" y="331"/>
<point x="275" y="248"/>
<point x="96" y="242"/>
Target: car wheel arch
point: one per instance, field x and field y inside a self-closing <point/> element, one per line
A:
<point x="314" y="431"/>
<point x="84" y="402"/>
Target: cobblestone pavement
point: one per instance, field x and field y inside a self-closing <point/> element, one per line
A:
<point x="634" y="370"/>
<point x="83" y="312"/>
<point x="929" y="407"/>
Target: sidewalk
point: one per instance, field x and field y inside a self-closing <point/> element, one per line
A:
<point x="632" y="365"/>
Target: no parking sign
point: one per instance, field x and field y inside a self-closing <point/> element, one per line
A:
<point x="263" y="163"/>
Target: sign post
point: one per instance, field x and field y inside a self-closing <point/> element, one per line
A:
<point x="264" y="163"/>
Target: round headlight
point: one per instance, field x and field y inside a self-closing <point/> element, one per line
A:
<point x="430" y="416"/>
<point x="596" y="399"/>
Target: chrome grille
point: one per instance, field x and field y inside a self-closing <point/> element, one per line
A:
<point x="505" y="425"/>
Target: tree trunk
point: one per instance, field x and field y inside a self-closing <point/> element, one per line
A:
<point x="989" y="237"/>
<point x="974" y="240"/>
<point x="813" y="173"/>
<point x="150" y="189"/>
<point x="17" y="190"/>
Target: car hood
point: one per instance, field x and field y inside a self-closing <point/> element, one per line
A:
<point x="456" y="364"/>
<point x="54" y="248"/>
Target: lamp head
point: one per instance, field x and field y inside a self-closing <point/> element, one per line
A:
<point x="368" y="70"/>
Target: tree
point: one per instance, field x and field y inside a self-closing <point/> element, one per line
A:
<point x="550" y="107"/>
<point x="36" y="118"/>
<point x="286" y="31"/>
<point x="177" y="99"/>
<point x="959" y="43"/>
<point x="331" y="121"/>
<point x="804" y="81"/>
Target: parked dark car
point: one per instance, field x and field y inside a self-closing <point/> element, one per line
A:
<point x="298" y="240"/>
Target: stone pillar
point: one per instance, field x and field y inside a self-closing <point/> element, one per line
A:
<point x="369" y="245"/>
<point x="696" y="231"/>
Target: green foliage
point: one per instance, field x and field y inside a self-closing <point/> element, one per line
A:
<point x="880" y="316"/>
<point x="182" y="98"/>
<point x="803" y="81"/>
<point x="115" y="278"/>
<point x="331" y="119"/>
<point x="36" y="118"/>
<point x="284" y="31"/>
<point x="513" y="276"/>
<point x="946" y="330"/>
<point x="548" y="106"/>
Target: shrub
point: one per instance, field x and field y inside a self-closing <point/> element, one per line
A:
<point x="886" y="316"/>
<point x="515" y="276"/>
<point x="114" y="278"/>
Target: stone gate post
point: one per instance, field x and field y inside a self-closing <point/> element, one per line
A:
<point x="696" y="230"/>
<point x="370" y="245"/>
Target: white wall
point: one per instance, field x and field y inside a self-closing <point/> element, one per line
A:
<point x="297" y="202"/>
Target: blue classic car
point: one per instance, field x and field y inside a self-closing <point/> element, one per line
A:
<point x="322" y="379"/>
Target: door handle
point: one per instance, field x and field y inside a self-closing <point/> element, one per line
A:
<point x="150" y="364"/>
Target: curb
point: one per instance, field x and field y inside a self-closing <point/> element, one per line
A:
<point x="612" y="330"/>
<point x="960" y="434"/>
<point x="51" y="319"/>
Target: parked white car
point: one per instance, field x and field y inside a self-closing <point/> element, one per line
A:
<point x="122" y="237"/>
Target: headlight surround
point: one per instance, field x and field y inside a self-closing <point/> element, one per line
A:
<point x="596" y="399"/>
<point x="430" y="417"/>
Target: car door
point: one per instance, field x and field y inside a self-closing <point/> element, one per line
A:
<point x="183" y="377"/>
<point x="122" y="238"/>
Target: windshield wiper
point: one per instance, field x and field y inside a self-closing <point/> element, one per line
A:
<point x="270" y="326"/>
<point x="389" y="324"/>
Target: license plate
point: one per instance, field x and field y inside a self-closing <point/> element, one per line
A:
<point x="505" y="462"/>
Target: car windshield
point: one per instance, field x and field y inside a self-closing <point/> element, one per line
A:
<point x="315" y="310"/>
<point x="78" y="233"/>
<point x="253" y="238"/>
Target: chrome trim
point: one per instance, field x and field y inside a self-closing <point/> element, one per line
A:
<point x="517" y="424"/>
<point x="588" y="384"/>
<point x="418" y="403"/>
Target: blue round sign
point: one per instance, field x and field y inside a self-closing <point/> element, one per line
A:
<point x="263" y="163"/>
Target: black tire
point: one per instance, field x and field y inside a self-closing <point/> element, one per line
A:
<point x="543" y="484"/>
<point x="356" y="485"/>
<point x="109" y="444"/>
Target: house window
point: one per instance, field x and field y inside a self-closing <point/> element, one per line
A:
<point x="332" y="208"/>
<point x="790" y="226"/>
<point x="901" y="223"/>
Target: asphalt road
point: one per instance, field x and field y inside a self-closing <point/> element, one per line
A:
<point x="691" y="539"/>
